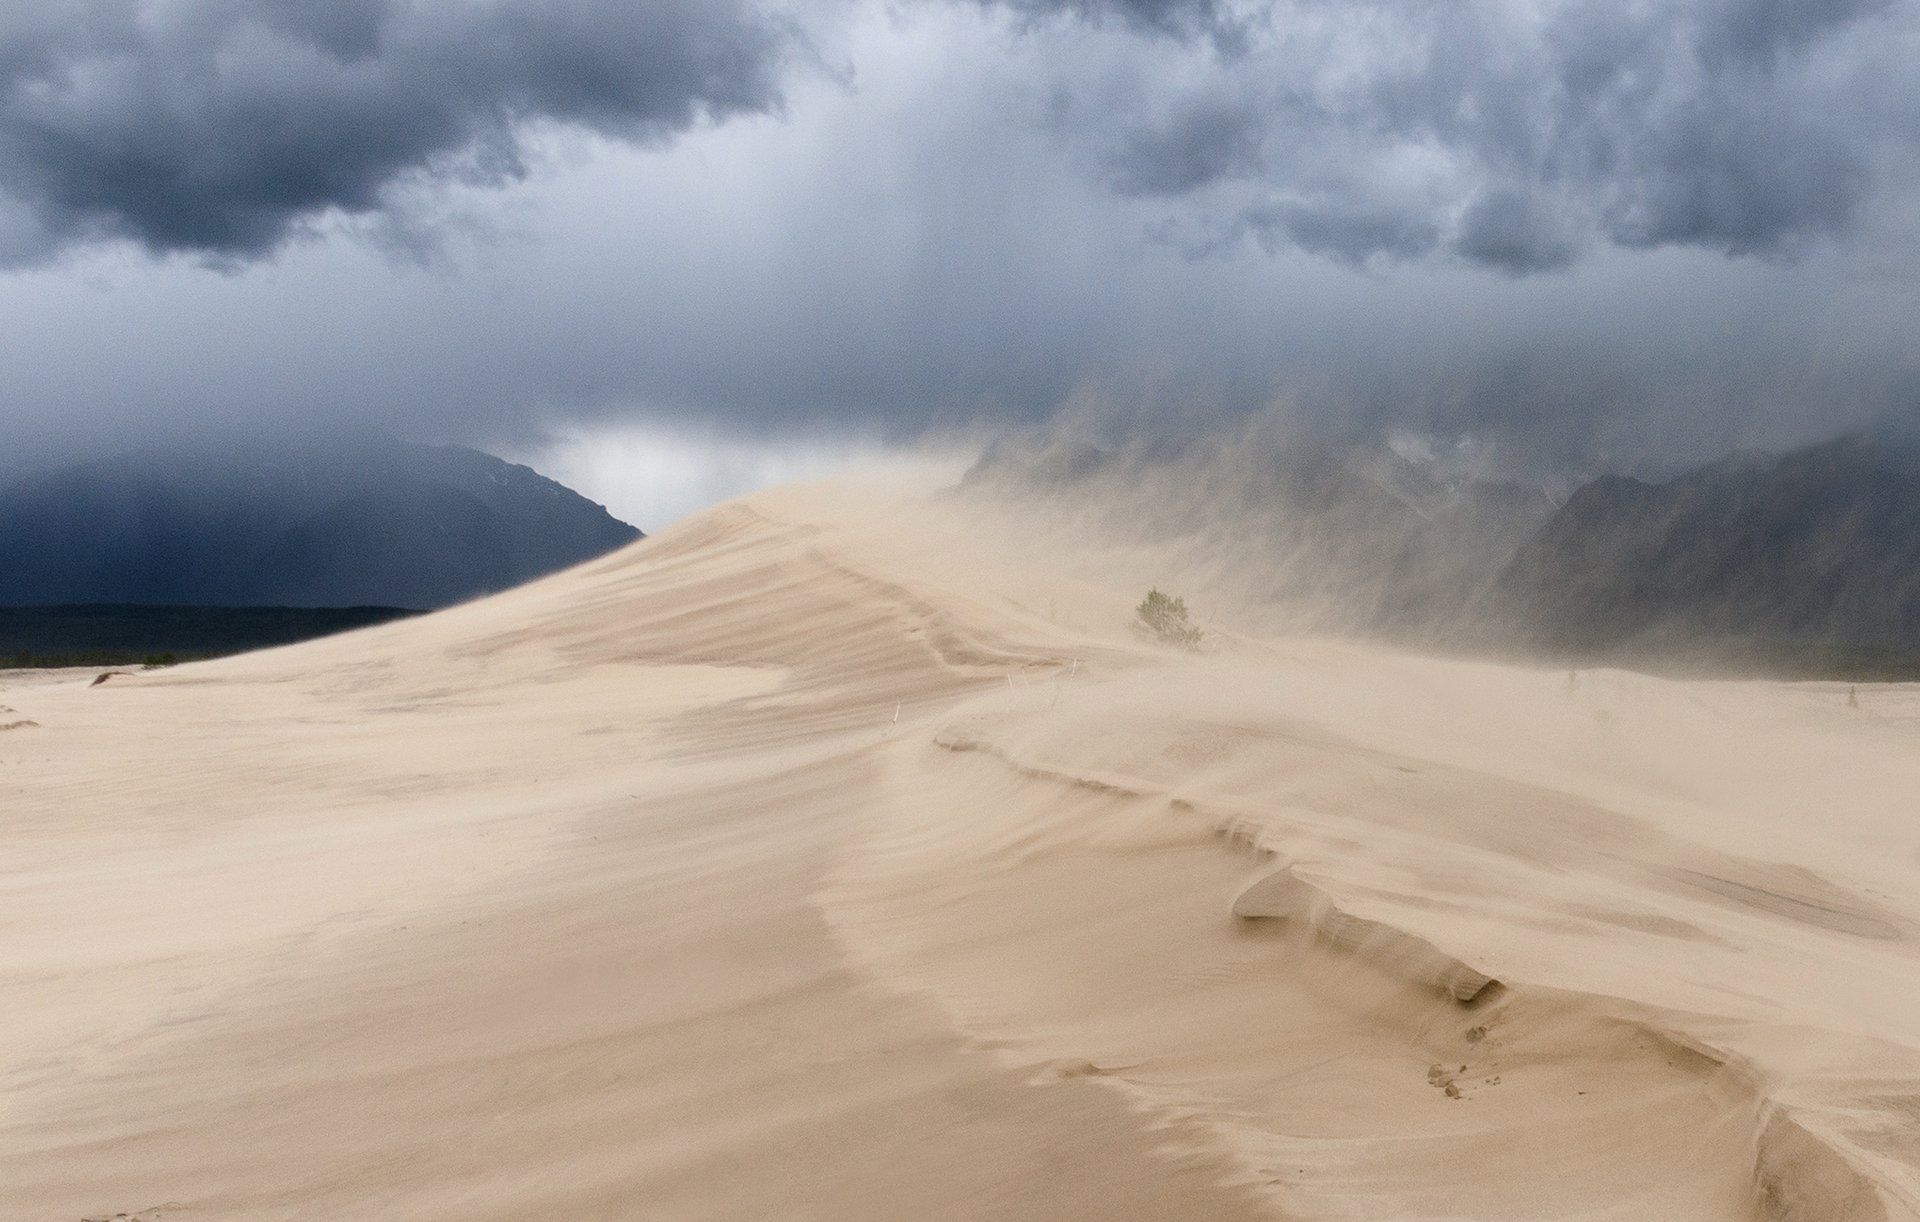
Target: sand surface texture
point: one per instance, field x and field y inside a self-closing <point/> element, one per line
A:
<point x="843" y="854"/>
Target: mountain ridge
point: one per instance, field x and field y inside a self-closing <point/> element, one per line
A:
<point x="1803" y="561"/>
<point x="360" y="522"/>
<point x="1814" y="548"/>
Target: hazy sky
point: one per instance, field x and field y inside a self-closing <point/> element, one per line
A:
<point x="728" y="238"/>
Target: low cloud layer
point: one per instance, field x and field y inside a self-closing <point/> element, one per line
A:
<point x="218" y="127"/>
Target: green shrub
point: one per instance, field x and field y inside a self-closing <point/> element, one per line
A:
<point x="1164" y="617"/>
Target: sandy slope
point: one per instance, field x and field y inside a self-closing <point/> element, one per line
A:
<point x="625" y="895"/>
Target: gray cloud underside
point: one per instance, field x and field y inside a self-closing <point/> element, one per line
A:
<point x="1183" y="18"/>
<point x="1511" y="134"/>
<point x="219" y="127"/>
<point x="996" y="210"/>
<point x="1508" y="133"/>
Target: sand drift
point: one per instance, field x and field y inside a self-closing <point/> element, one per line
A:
<point x="843" y="854"/>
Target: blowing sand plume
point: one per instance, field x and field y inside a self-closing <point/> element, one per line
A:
<point x="842" y="853"/>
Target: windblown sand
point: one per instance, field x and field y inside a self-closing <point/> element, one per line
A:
<point x="842" y="854"/>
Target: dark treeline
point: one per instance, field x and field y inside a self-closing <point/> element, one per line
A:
<point x="126" y="635"/>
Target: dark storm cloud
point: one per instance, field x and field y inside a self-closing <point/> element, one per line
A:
<point x="1202" y="143"/>
<point x="1178" y="17"/>
<point x="1512" y="134"/>
<point x="1759" y="31"/>
<point x="220" y="126"/>
<point x="975" y="214"/>
<point x="1347" y="230"/>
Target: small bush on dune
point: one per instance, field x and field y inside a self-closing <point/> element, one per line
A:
<point x="1164" y="616"/>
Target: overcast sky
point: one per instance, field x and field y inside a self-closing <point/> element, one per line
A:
<point x="702" y="243"/>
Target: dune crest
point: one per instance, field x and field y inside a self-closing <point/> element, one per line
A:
<point x="843" y="853"/>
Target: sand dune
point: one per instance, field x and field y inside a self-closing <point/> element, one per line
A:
<point x="842" y="854"/>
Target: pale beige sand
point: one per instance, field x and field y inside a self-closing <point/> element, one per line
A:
<point x="625" y="895"/>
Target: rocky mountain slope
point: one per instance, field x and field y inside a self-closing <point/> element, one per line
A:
<point x="1817" y="549"/>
